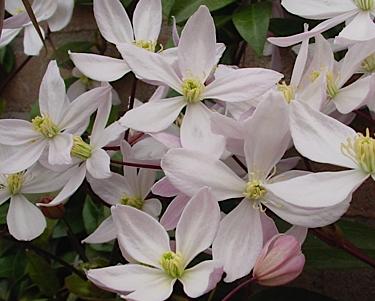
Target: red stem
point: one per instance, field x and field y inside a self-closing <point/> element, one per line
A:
<point x="140" y="165"/>
<point x="236" y="289"/>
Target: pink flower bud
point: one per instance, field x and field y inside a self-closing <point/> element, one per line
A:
<point x="280" y="261"/>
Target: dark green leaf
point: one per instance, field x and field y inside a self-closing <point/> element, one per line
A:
<point x="167" y="7"/>
<point x="288" y="294"/>
<point x="85" y="289"/>
<point x="252" y="24"/>
<point x="7" y="59"/>
<point x="3" y="213"/>
<point x="93" y="214"/>
<point x="13" y="265"/>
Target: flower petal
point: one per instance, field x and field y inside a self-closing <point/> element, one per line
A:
<point x="189" y="171"/>
<point x="146" y="178"/>
<point x="143" y="238"/>
<point x="164" y="188"/>
<point x="99" y="67"/>
<point x="22" y="132"/>
<point x="7" y="36"/>
<point x="361" y="28"/>
<point x="62" y="15"/>
<point x="154" y="116"/>
<point x="318" y="136"/>
<point x="25" y="221"/>
<point x="113" y="21"/>
<point x="59" y="149"/>
<point x="193" y="233"/>
<point x="147" y="20"/>
<point x="98" y="164"/>
<point x="105" y="232"/>
<point x="240" y="233"/>
<point x="173" y="212"/>
<point x="31" y="41"/>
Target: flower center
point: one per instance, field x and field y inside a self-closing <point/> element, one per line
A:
<point x="287" y="91"/>
<point x="45" y="126"/>
<point x="314" y="75"/>
<point x="19" y="10"/>
<point x="332" y="88"/>
<point x="365" y="5"/>
<point x="369" y="63"/>
<point x="361" y="150"/>
<point x="192" y="90"/>
<point x="255" y="192"/>
<point x="147" y="45"/>
<point x="173" y="264"/>
<point x="132" y="201"/>
<point x="85" y="81"/>
<point x="81" y="149"/>
<point x="15" y="182"/>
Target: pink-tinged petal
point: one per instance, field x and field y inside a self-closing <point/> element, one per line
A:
<point x="242" y="84"/>
<point x="154" y="116"/>
<point x="287" y="164"/>
<point x="98" y="164"/>
<point x="44" y="9"/>
<point x="101" y="119"/>
<point x="201" y="278"/>
<point x="300" y="63"/>
<point x="23" y="157"/>
<point x="76" y="89"/>
<point x="125" y="278"/>
<point x="82" y="107"/>
<point x="325" y="25"/>
<point x="77" y="176"/>
<point x="147" y="20"/>
<point x="25" y="221"/>
<point x="143" y="238"/>
<point x="299" y="233"/>
<point x="189" y="171"/>
<point x="62" y="15"/>
<point x="318" y="9"/>
<point x="59" y="149"/>
<point x="105" y="232"/>
<point x="153" y="207"/>
<point x="361" y="28"/>
<point x="150" y="66"/>
<point x="318" y="136"/>
<point x="196" y="131"/>
<point x="129" y="172"/>
<point x="111" y="133"/>
<point x="52" y="93"/>
<point x="149" y="149"/>
<point x="31" y="41"/>
<point x="21" y="132"/>
<point x="197" y="45"/>
<point x="353" y="96"/>
<point x="7" y="36"/>
<point x="164" y="188"/>
<point x="324" y="189"/>
<point x="13" y="7"/>
<point x="173" y="212"/>
<point x="175" y="34"/>
<point x="99" y="67"/>
<point x="111" y="189"/>
<point x="146" y="178"/>
<point x="265" y="146"/>
<point x="268" y="226"/>
<point x="17" y="21"/>
<point x="170" y="138"/>
<point x="238" y="241"/>
<point x="113" y="21"/>
<point x="226" y="126"/>
<point x="193" y="233"/>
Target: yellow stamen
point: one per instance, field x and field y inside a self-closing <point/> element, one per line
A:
<point x="288" y="92"/>
<point x="147" y="45"/>
<point x="368" y="64"/>
<point x="365" y="5"/>
<point x="332" y="88"/>
<point x="45" y="126"/>
<point x="314" y="75"/>
<point x="132" y="201"/>
<point x="173" y="264"/>
<point x="81" y="149"/>
<point x="192" y="90"/>
<point x="15" y="182"/>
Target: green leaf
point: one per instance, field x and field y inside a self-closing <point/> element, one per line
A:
<point x="287" y="294"/>
<point x="167" y="7"/>
<point x="3" y="213"/>
<point x="13" y="265"/>
<point x="252" y="24"/>
<point x="85" y="289"/>
<point x="42" y="274"/>
<point x="7" y="59"/>
<point x="183" y="9"/>
<point x="93" y="214"/>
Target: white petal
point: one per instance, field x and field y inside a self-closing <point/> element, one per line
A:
<point x="147" y="20"/>
<point x="154" y="116"/>
<point x="196" y="131"/>
<point x="319" y="137"/>
<point x="140" y="235"/>
<point x="164" y="188"/>
<point x="268" y="227"/>
<point x="25" y="221"/>
<point x="242" y="84"/>
<point x="323" y="189"/>
<point x="62" y="15"/>
<point x="152" y="207"/>
<point x="111" y="133"/>
<point x="99" y="67"/>
<point x="238" y="241"/>
<point x="299" y="233"/>
<point x="195" y="232"/>
<point x="361" y="28"/>
<point x="189" y="171"/>
<point x="197" y="45"/>
<point x="22" y="132"/>
<point x="4" y="196"/>
<point x="31" y="41"/>
<point x="173" y="212"/>
<point x="101" y="119"/>
<point x="7" y="36"/>
<point x="105" y="232"/>
<point x="201" y="278"/>
<point x="146" y="178"/>
<point x="59" y="149"/>
<point x="13" y="6"/>
<point x="98" y="164"/>
<point x="76" y="89"/>
<point x="113" y="21"/>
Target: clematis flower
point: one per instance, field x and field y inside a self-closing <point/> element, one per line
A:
<point x="358" y="15"/>
<point x="131" y="189"/>
<point x="188" y="171"/>
<point x="158" y="267"/>
<point x="196" y="60"/>
<point x="115" y="27"/>
<point x="25" y="220"/>
<point x="57" y="13"/>
<point x="53" y="129"/>
<point x="326" y="140"/>
<point x="90" y="158"/>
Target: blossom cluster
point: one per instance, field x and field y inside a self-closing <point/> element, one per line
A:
<point x="217" y="132"/>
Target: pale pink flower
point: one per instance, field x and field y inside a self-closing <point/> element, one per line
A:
<point x="157" y="267"/>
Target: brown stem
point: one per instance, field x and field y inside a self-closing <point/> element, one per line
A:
<point x="140" y="165"/>
<point x="74" y="241"/>
<point x="14" y="73"/>
<point x="239" y="162"/>
<point x="111" y="148"/>
<point x="131" y="103"/>
<point x="236" y="289"/>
